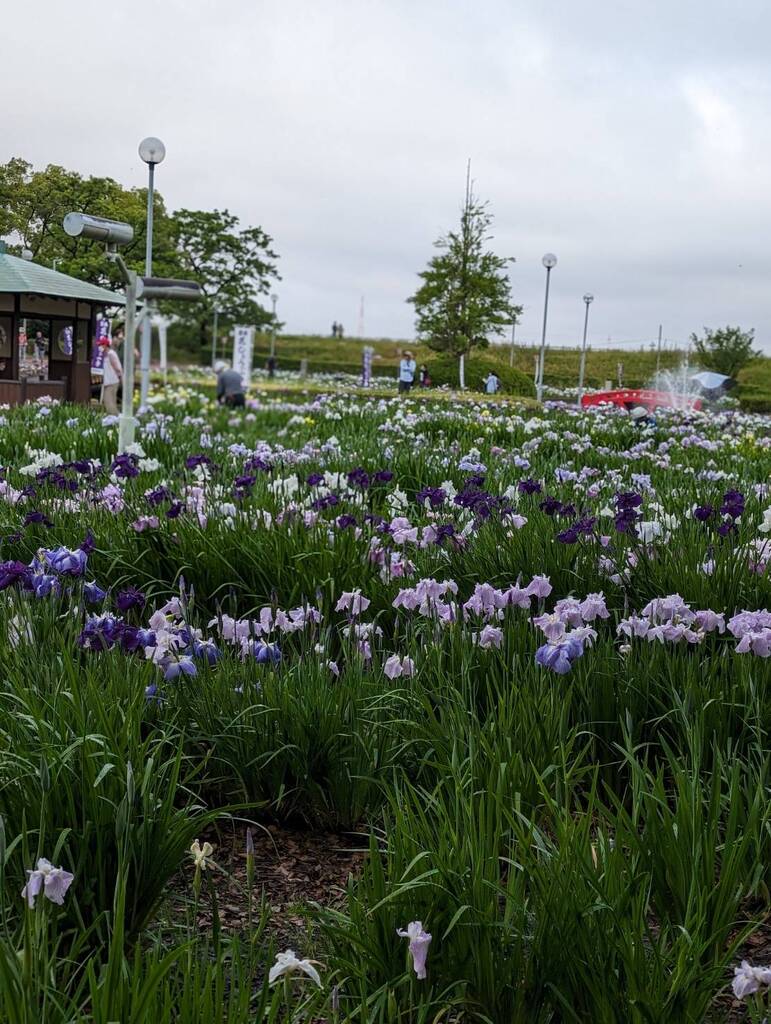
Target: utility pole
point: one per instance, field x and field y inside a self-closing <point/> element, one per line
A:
<point x="658" y="352"/>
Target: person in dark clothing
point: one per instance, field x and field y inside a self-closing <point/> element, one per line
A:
<point x="230" y="388"/>
<point x="334" y="328"/>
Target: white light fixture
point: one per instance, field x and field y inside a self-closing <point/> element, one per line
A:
<point x="549" y="260"/>
<point x="152" y="150"/>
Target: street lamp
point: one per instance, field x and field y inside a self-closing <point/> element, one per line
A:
<point x="512" y="259"/>
<point x="549" y="261"/>
<point x="588" y="299"/>
<point x="114" y="233"/>
<point x="152" y="151"/>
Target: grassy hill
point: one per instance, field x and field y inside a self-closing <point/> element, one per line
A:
<point x="330" y="355"/>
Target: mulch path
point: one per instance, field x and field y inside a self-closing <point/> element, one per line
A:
<point x="292" y="868"/>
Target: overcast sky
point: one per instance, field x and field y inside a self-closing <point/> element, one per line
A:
<point x="631" y="139"/>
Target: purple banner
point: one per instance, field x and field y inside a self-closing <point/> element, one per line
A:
<point x="97" y="355"/>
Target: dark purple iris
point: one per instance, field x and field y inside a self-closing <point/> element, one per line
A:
<point x="12" y="572"/>
<point x="197" y="460"/>
<point x="383" y="476"/>
<point x="257" y="463"/>
<point x="703" y="513"/>
<point x="733" y="504"/>
<point x="359" y="477"/>
<point x="130" y="598"/>
<point x="125" y="466"/>
<point x="314" y="479"/>
<point x="328" y="501"/>
<point x="581" y="527"/>
<point x="345" y="521"/>
<point x="444" y="532"/>
<point x="157" y="496"/>
<point x="529" y="487"/>
<point x="88" y="544"/>
<point x="551" y="506"/>
<point x="435" y="496"/>
<point x="35" y="517"/>
<point x="174" y="509"/>
<point x="628" y="500"/>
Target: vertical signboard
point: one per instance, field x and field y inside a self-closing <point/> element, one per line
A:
<point x="98" y="351"/>
<point x="243" y="346"/>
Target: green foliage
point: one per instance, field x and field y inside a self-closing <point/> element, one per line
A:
<point x="233" y="266"/>
<point x="444" y="370"/>
<point x="465" y="294"/>
<point x="33" y="205"/>
<point x="725" y="349"/>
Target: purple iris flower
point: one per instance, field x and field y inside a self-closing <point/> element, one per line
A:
<point x="733" y="504"/>
<point x="174" y="509"/>
<point x="130" y="598"/>
<point x="156" y="496"/>
<point x="44" y="584"/>
<point x="345" y="521"/>
<point x="66" y="562"/>
<point x="12" y="572"/>
<point x="264" y="653"/>
<point x="359" y="477"/>
<point x="529" y="487"/>
<point x="436" y="496"/>
<point x="125" y="466"/>
<point x="703" y="513"/>
<point x="88" y="544"/>
<point x="93" y="593"/>
<point x="182" y="666"/>
<point x="207" y="650"/>
<point x="258" y="463"/>
<point x="383" y="476"/>
<point x="197" y="460"/>
<point x="314" y="479"/>
<point x="34" y="517"/>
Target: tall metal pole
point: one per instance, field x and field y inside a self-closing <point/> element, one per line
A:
<point x="511" y="354"/>
<point x="126" y="421"/>
<point x="147" y="327"/>
<point x="658" y="352"/>
<point x="582" y="366"/>
<point x="548" y="261"/>
<point x="214" y="340"/>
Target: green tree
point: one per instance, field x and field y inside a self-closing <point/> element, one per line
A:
<point x="233" y="266"/>
<point x="33" y="205"/>
<point x="725" y="349"/>
<point x="465" y="296"/>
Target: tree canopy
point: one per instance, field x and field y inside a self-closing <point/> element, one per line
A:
<point x="725" y="349"/>
<point x="234" y="265"/>
<point x="465" y="296"/>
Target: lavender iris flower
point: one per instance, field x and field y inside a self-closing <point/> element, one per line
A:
<point x="93" y="593"/>
<point x="66" y="562"/>
<point x="419" y="942"/>
<point x="52" y="882"/>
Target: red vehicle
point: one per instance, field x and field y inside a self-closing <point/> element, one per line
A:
<point x="631" y="398"/>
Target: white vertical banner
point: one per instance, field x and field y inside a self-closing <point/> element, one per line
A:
<point x="243" y="346"/>
<point x="162" y="344"/>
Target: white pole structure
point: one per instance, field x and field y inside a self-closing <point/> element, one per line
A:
<point x="658" y="352"/>
<point x="214" y="338"/>
<point x="274" y="300"/>
<point x="511" y="354"/>
<point x="152" y="151"/>
<point x="588" y="299"/>
<point x="549" y="261"/>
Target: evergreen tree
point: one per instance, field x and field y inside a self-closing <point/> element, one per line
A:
<point x="465" y="295"/>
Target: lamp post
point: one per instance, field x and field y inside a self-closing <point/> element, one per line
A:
<point x="214" y="338"/>
<point x="152" y="151"/>
<point x="512" y="259"/>
<point x="588" y="299"/>
<point x="274" y="300"/>
<point x="549" y="261"/>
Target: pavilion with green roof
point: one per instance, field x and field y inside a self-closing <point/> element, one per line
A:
<point x="47" y="330"/>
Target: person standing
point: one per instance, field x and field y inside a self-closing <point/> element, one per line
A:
<point x="407" y="367"/>
<point x="111" y="377"/>
<point x="230" y="387"/>
<point x="334" y="328"/>
<point x="493" y="383"/>
<point x="340" y="331"/>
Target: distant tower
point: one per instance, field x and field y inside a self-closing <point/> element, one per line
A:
<point x="360" y="332"/>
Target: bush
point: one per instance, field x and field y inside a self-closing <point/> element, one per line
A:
<point x="444" y="370"/>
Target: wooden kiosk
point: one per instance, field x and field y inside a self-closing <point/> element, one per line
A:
<point x="47" y="329"/>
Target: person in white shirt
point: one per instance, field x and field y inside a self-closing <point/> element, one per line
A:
<point x="407" y="367"/>
<point x="111" y="378"/>
<point x="492" y="384"/>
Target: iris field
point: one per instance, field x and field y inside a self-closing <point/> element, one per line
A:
<point x="522" y="657"/>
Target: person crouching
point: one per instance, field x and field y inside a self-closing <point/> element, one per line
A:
<point x="230" y="388"/>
